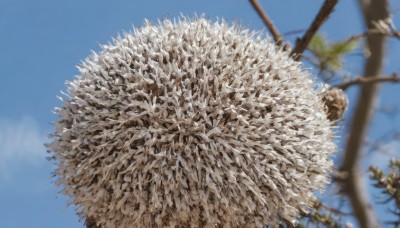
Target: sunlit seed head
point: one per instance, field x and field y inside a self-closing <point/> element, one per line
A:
<point x="191" y="124"/>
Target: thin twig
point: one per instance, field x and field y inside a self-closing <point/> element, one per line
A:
<point x="293" y="32"/>
<point x="394" y="78"/>
<point x="392" y="33"/>
<point x="318" y="204"/>
<point x="267" y="21"/>
<point x="322" y="16"/>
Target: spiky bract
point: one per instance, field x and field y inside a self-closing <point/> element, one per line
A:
<point x="191" y="124"/>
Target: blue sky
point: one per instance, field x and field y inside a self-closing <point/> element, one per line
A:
<point x="41" y="41"/>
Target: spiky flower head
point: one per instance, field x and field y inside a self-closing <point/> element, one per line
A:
<point x="191" y="124"/>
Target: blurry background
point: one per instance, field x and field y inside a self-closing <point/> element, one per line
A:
<point x="41" y="41"/>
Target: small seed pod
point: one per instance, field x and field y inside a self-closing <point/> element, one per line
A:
<point x="336" y="102"/>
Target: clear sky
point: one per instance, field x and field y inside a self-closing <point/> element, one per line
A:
<point x="41" y="41"/>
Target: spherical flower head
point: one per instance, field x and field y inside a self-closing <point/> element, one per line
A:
<point x="191" y="124"/>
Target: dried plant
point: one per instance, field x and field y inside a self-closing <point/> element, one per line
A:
<point x="336" y="103"/>
<point x="194" y="124"/>
<point x="389" y="184"/>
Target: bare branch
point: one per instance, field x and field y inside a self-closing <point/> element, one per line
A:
<point x="293" y="32"/>
<point x="322" y="16"/>
<point x="267" y="21"/>
<point x="352" y="186"/>
<point x="390" y="33"/>
<point x="316" y="204"/>
<point x="394" y="78"/>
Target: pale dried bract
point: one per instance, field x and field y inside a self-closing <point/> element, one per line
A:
<point x="336" y="103"/>
<point x="191" y="124"/>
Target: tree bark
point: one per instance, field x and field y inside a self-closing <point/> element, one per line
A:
<point x="373" y="11"/>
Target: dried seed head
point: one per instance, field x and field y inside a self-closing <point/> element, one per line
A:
<point x="336" y="102"/>
<point x="191" y="124"/>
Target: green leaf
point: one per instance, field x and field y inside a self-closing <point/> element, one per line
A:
<point x="319" y="45"/>
<point x="343" y="47"/>
<point x="329" y="55"/>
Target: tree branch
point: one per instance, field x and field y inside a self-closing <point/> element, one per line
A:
<point x="352" y="186"/>
<point x="390" y="33"/>
<point x="267" y="21"/>
<point x="322" y="16"/>
<point x="316" y="204"/>
<point x="394" y="78"/>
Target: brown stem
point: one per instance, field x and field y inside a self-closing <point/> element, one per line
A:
<point x="322" y="16"/>
<point x="318" y="204"/>
<point x="267" y="21"/>
<point x="352" y="186"/>
<point x="368" y="80"/>
<point x="392" y="33"/>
